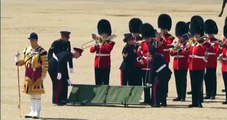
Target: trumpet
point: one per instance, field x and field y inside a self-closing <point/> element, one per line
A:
<point x="97" y="40"/>
<point x="87" y="44"/>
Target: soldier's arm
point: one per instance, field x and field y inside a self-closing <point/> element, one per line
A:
<point x="70" y="61"/>
<point x="52" y="49"/>
<point x="22" y="61"/>
<point x="44" y="60"/>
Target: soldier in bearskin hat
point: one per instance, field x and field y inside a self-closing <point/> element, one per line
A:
<point x="129" y="53"/>
<point x="191" y="38"/>
<point x="225" y="23"/>
<point x="102" y="49"/>
<point x="148" y="34"/>
<point x="180" y="61"/>
<point x="212" y="52"/>
<point x="197" y="61"/>
<point x="165" y="24"/>
<point x="224" y="62"/>
<point x="36" y="64"/>
<point x="134" y="29"/>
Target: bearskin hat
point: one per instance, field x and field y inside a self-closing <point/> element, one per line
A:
<point x="225" y="31"/>
<point x="196" y="26"/>
<point x="164" y="22"/>
<point x="104" y="27"/>
<point x="134" y="25"/>
<point x="147" y="30"/>
<point x="210" y="27"/>
<point x="197" y="17"/>
<point x="181" y="28"/>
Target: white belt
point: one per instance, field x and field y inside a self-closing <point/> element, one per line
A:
<point x="144" y="57"/>
<point x="196" y="56"/>
<point x="101" y="55"/>
<point x="210" y="53"/>
<point x="178" y="56"/>
<point x="145" y="69"/>
<point x="199" y="57"/>
<point x="165" y="50"/>
<point x="55" y="57"/>
<point x="160" y="68"/>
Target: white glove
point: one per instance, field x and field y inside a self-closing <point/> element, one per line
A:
<point x="71" y="70"/>
<point x="59" y="76"/>
<point x="212" y="44"/>
<point x="69" y="82"/>
<point x="17" y="57"/>
<point x="149" y="85"/>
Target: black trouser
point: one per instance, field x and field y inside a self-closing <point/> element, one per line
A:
<point x="197" y="86"/>
<point x="138" y="77"/>
<point x="224" y="75"/>
<point x="159" y="89"/>
<point x="181" y="82"/>
<point x="127" y="77"/>
<point x="131" y="77"/>
<point x="59" y="87"/>
<point x="102" y="76"/>
<point x="147" y="91"/>
<point x="211" y="82"/>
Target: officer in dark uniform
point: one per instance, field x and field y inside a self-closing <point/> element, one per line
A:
<point x="59" y="75"/>
<point x="128" y="70"/>
<point x="62" y="44"/>
<point x="159" y="76"/>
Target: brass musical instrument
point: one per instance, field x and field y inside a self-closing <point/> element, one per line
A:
<point x="98" y="41"/>
<point x="87" y="44"/>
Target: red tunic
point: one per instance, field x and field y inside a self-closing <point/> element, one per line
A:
<point x="180" y="61"/>
<point x="213" y="51"/>
<point x="144" y="52"/>
<point x="102" y="58"/>
<point x="138" y="53"/>
<point x="164" y="48"/>
<point x="197" y="59"/>
<point x="224" y="59"/>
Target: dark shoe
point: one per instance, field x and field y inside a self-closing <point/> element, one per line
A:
<point x="35" y="117"/>
<point x="200" y="106"/>
<point x="212" y="97"/>
<point x="182" y="100"/>
<point x="177" y="99"/>
<point x="61" y="103"/>
<point x="224" y="102"/>
<point x="190" y="92"/>
<point x="206" y="97"/>
<point x="146" y="103"/>
<point x="191" y="106"/>
<point x="223" y="90"/>
<point x="27" y="116"/>
<point x="163" y="105"/>
<point x="155" y="105"/>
